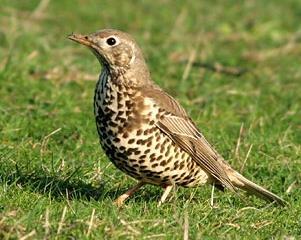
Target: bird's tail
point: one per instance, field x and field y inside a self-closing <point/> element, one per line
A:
<point x="243" y="183"/>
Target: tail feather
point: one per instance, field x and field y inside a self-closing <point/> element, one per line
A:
<point x="251" y="187"/>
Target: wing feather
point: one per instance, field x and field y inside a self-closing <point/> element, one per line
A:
<point x="179" y="127"/>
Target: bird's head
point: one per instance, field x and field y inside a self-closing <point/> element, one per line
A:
<point x="116" y="50"/>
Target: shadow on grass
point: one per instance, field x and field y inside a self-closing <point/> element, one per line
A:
<point x="59" y="187"/>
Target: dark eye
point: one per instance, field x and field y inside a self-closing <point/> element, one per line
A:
<point x="111" y="41"/>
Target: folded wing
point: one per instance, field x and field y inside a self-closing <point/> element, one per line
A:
<point x="179" y="127"/>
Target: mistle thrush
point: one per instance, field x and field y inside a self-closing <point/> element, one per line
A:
<point x="145" y="132"/>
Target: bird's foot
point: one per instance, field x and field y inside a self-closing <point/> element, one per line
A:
<point x="122" y="198"/>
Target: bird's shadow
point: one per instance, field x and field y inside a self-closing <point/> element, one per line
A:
<point x="59" y="187"/>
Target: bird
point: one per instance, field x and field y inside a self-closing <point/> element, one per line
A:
<point x="145" y="132"/>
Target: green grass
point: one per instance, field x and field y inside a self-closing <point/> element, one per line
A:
<point x="55" y="181"/>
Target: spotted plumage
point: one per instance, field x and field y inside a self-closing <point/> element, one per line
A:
<point x="145" y="132"/>
<point x="137" y="146"/>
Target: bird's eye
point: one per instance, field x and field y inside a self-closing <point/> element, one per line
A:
<point x="111" y="41"/>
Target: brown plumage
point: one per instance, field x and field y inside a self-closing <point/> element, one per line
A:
<point x="145" y="132"/>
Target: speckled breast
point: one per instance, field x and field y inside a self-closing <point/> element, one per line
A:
<point x="126" y="124"/>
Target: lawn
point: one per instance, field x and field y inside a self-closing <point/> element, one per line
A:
<point x="235" y="67"/>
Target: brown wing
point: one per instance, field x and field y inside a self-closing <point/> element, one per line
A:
<point x="180" y="128"/>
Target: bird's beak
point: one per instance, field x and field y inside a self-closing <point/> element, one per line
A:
<point x="87" y="40"/>
<point x="82" y="39"/>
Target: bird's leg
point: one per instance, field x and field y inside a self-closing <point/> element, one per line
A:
<point x="212" y="196"/>
<point x="120" y="200"/>
<point x="167" y="190"/>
